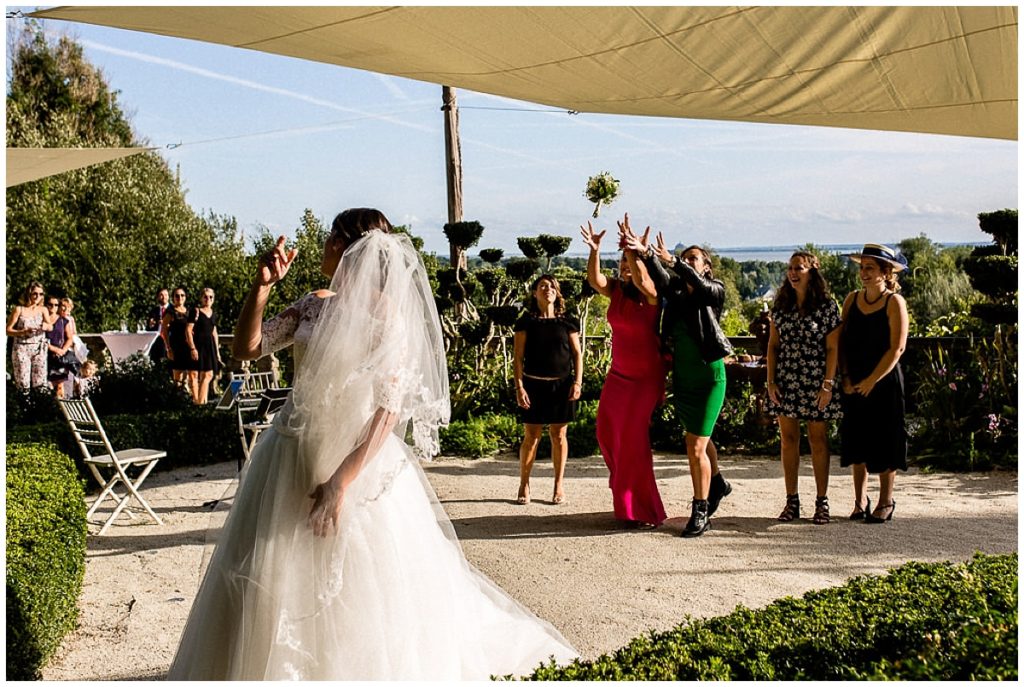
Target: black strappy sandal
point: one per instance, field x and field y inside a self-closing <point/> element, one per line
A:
<point x="792" y="510"/>
<point x="821" y="514"/>
<point x="858" y="512"/>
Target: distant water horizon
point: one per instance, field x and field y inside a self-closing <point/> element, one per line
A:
<point x="781" y="253"/>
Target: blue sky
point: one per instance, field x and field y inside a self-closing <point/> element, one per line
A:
<point x="345" y="137"/>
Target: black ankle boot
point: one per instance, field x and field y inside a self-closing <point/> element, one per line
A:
<point x="719" y="490"/>
<point x="699" y="522"/>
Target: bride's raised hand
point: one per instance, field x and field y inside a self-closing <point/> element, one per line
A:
<point x="591" y="237"/>
<point x="275" y="263"/>
<point x="323" y="516"/>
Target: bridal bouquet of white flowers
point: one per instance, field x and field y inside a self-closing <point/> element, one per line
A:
<point x="602" y="189"/>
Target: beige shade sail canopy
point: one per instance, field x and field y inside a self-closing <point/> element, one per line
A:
<point x="941" y="70"/>
<point x="29" y="164"/>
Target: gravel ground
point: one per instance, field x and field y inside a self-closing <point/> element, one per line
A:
<point x="573" y="564"/>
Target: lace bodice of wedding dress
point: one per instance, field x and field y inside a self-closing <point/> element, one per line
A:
<point x="292" y="327"/>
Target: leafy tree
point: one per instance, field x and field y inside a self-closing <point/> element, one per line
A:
<point x="530" y="247"/>
<point x="553" y="246"/>
<point x="993" y="269"/>
<point x="461" y="237"/>
<point x="492" y="255"/>
<point x="109" y="235"/>
<point x="933" y="283"/>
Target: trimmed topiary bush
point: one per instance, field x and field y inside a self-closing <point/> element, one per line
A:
<point x="921" y="621"/>
<point x="46" y="532"/>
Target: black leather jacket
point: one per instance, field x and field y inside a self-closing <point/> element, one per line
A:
<point x="700" y="309"/>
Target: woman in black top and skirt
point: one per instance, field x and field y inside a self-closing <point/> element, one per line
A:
<point x="548" y="369"/>
<point x="873" y="430"/>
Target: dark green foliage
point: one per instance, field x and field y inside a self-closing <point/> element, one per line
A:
<point x="1002" y="225"/>
<point x="477" y="437"/>
<point x="492" y="255"/>
<point x="502" y="315"/>
<point x="530" y="247"/>
<point x="966" y="406"/>
<point x="993" y="275"/>
<point x="522" y="269"/>
<point x="922" y="621"/>
<point x="197" y="435"/>
<point x="108" y="235"/>
<point x="46" y="532"/>
<point x="417" y="242"/>
<point x="463" y="234"/>
<point x="994" y="272"/>
<point x="474" y="332"/>
<point x="553" y="246"/>
<point x="491" y="279"/>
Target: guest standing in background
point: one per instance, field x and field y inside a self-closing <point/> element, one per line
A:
<point x="548" y="369"/>
<point x="154" y="321"/>
<point x="179" y="352"/>
<point x="204" y="346"/>
<point x="27" y="327"/>
<point x="634" y="387"/>
<point x="694" y="300"/>
<point x="873" y="430"/>
<point x="61" y="361"/>
<point x="803" y="354"/>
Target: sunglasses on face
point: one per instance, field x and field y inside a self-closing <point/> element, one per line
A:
<point x="52" y="305"/>
<point x="179" y="295"/>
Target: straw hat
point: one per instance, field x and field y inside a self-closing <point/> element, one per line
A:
<point x="883" y="253"/>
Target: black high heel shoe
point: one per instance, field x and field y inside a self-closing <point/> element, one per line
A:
<point x="872" y="519"/>
<point x="858" y="512"/>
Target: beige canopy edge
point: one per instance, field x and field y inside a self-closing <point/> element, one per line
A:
<point x="29" y="164"/>
<point x="940" y="70"/>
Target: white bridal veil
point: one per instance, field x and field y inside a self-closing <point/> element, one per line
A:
<point x="377" y="344"/>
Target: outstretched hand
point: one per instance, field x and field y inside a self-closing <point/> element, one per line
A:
<point x="323" y="515"/>
<point x="662" y="251"/>
<point x="591" y="237"/>
<point x="629" y="240"/>
<point x="274" y="264"/>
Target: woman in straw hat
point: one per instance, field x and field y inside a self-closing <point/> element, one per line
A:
<point x="873" y="430"/>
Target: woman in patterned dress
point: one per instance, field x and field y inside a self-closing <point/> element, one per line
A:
<point x="803" y="354"/>
<point x="27" y="327"/>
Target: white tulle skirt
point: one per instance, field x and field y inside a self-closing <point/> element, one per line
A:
<point x="390" y="597"/>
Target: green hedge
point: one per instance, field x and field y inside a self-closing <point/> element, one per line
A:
<point x="477" y="437"/>
<point x="192" y="436"/>
<point x="921" y="621"/>
<point x="45" y="554"/>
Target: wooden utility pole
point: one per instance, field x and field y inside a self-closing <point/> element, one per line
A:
<point x="453" y="165"/>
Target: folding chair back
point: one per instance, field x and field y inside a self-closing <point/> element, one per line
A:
<point x="246" y="405"/>
<point x="108" y="466"/>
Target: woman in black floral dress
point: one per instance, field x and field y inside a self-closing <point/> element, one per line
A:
<point x="802" y="361"/>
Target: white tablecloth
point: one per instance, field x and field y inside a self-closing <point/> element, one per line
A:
<point x="124" y="344"/>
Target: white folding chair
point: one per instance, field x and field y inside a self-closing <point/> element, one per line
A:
<point x="246" y="403"/>
<point x="89" y="434"/>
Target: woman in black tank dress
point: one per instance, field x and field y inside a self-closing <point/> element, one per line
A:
<point x="873" y="429"/>
<point x="173" y="332"/>
<point x="201" y="334"/>
<point x="548" y="369"/>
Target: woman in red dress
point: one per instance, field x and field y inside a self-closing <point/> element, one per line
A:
<point x="635" y="385"/>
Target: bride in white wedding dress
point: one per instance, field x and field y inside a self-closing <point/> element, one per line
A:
<point x="336" y="561"/>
